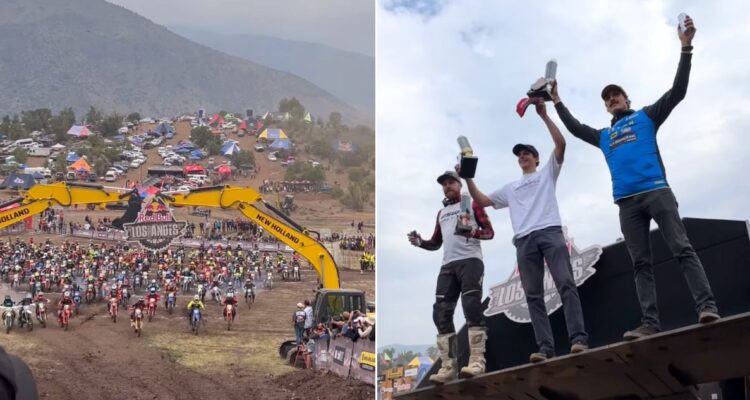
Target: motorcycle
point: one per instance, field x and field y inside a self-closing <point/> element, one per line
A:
<point x="186" y="282"/>
<point x="113" y="309"/>
<point x="285" y="274"/>
<point x="138" y="321"/>
<point x="249" y="297"/>
<point x="151" y="308"/>
<point x="26" y="318"/>
<point x="170" y="302"/>
<point x="137" y="281"/>
<point x="216" y="294"/>
<point x="202" y="292"/>
<point x="296" y="274"/>
<point x="65" y="317"/>
<point x="90" y="293"/>
<point x="16" y="280"/>
<point x="195" y="319"/>
<point x="125" y="299"/>
<point x="36" y="288"/>
<point x="229" y="315"/>
<point x="269" y="281"/>
<point x="77" y="299"/>
<point x="41" y="313"/>
<point x="8" y="319"/>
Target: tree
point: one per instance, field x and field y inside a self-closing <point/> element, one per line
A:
<point x="60" y="124"/>
<point x="37" y="120"/>
<point x="110" y="125"/>
<point x="242" y="158"/>
<point x="20" y="155"/>
<point x="404" y="358"/>
<point x="213" y="148"/>
<point x="134" y="117"/>
<point x="293" y="107"/>
<point x="201" y="136"/>
<point x="93" y="116"/>
<point x="433" y="353"/>
<point x="305" y="172"/>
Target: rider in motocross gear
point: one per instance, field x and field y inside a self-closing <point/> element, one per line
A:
<point x="152" y="295"/>
<point x="196" y="302"/>
<point x="27" y="301"/>
<point x="138" y="304"/>
<point x="63" y="301"/>
<point x="229" y="300"/>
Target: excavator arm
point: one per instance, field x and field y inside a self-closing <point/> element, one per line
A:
<point x="41" y="197"/>
<point x="284" y="229"/>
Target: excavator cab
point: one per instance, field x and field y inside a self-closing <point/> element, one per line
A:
<point x="288" y="205"/>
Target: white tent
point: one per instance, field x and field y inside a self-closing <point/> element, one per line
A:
<point x="230" y="147"/>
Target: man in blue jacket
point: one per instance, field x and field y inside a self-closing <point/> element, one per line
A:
<point x="641" y="190"/>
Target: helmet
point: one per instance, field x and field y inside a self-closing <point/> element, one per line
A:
<point x="153" y="280"/>
<point x="196" y="297"/>
<point x="153" y="290"/>
<point x="66" y="294"/>
<point x="28" y="295"/>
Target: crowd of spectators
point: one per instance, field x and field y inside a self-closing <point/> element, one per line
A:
<point x="269" y="186"/>
<point x="357" y="243"/>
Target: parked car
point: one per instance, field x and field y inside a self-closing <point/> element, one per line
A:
<point x="259" y="147"/>
<point x="92" y="177"/>
<point x="110" y="176"/>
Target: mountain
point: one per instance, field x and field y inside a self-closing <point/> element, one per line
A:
<point x="348" y="76"/>
<point x="89" y="52"/>
<point x="401" y="348"/>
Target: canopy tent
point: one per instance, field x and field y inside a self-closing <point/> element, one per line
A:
<point x="216" y="120"/>
<point x="18" y="181"/>
<point x="224" y="170"/>
<point x="80" y="165"/>
<point x="422" y="363"/>
<point x="194" y="169"/>
<point x="145" y="192"/>
<point x="58" y="147"/>
<point x="230" y="147"/>
<point x="281" y="144"/>
<point x="164" y="128"/>
<point x="273" y="134"/>
<point x="38" y="175"/>
<point x="79" y="131"/>
<point x="344" y="146"/>
<point x="72" y="157"/>
<point x="197" y="154"/>
<point x="243" y="126"/>
<point x="308" y="118"/>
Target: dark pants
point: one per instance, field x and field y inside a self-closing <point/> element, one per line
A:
<point x="636" y="213"/>
<point x="532" y="250"/>
<point x="459" y="278"/>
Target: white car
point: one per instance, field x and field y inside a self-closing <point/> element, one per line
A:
<point x="110" y="176"/>
<point x="134" y="164"/>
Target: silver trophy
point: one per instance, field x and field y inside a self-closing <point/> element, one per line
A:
<point x="542" y="88"/>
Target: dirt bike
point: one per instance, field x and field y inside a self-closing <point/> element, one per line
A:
<point x="8" y="319"/>
<point x="138" y="321"/>
<point x="41" y="313"/>
<point x="268" y="282"/>
<point x="202" y="292"/>
<point x="65" y="317"/>
<point x="125" y="299"/>
<point x="285" y="274"/>
<point x="170" y="302"/>
<point x="249" y="297"/>
<point x="186" y="283"/>
<point x="151" y="311"/>
<point x="16" y="280"/>
<point x="36" y="288"/>
<point x="216" y="294"/>
<point x="90" y="294"/>
<point x="113" y="309"/>
<point x="137" y="281"/>
<point x="26" y="318"/>
<point x="229" y="315"/>
<point x="5" y="273"/>
<point x="296" y="274"/>
<point x="77" y="300"/>
<point x="195" y="320"/>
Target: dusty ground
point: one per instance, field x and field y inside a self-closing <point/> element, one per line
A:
<point x="99" y="359"/>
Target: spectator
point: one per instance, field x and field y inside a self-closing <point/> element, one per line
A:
<point x="367" y="329"/>
<point x="298" y="320"/>
<point x="308" y="317"/>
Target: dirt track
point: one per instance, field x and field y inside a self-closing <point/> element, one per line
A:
<point x="99" y="359"/>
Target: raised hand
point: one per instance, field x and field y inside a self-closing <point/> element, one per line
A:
<point x="686" y="38"/>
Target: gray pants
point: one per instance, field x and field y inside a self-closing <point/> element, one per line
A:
<point x="532" y="250"/>
<point x="636" y="213"/>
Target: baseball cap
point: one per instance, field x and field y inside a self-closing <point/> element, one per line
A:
<point x="612" y="87"/>
<point x="531" y="149"/>
<point x="448" y="174"/>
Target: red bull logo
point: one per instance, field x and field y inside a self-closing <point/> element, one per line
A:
<point x="155" y="227"/>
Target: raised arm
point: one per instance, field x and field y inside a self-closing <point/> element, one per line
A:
<point x="554" y="131"/>
<point x="480" y="198"/>
<point x="660" y="110"/>
<point x="579" y="130"/>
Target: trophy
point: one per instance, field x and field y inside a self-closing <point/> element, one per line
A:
<point x="467" y="160"/>
<point x="541" y="90"/>
<point x="466" y="222"/>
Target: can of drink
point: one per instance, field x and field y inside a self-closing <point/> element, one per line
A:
<point x="681" y="20"/>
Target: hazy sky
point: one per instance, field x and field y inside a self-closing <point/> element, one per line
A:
<point x="344" y="24"/>
<point x="446" y="68"/>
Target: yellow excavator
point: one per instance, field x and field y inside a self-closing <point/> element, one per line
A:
<point x="330" y="299"/>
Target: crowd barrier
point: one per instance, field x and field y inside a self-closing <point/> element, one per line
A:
<point x="13" y="230"/>
<point x="347" y="359"/>
<point x="192" y="243"/>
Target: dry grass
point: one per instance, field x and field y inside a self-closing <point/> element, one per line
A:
<point x="250" y="353"/>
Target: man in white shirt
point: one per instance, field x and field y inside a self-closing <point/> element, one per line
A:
<point x="538" y="237"/>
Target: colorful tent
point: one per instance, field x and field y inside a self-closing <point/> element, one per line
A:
<point x="164" y="129"/>
<point x="273" y="134"/>
<point x="72" y="157"/>
<point x="308" y="118"/>
<point x="58" y="147"/>
<point x="194" y="169"/>
<point x="224" y="170"/>
<point x="18" y="181"/>
<point x="79" y="131"/>
<point x="230" y="147"/>
<point x="79" y="165"/>
<point x="281" y="144"/>
<point x="216" y="120"/>
<point x="243" y="126"/>
<point x="145" y="192"/>
<point x="422" y="363"/>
